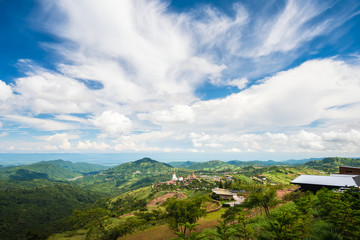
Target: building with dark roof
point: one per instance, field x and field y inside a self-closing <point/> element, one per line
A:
<point x="334" y="181"/>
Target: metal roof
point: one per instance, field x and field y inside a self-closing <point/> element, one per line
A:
<point x="221" y="191"/>
<point x="338" y="180"/>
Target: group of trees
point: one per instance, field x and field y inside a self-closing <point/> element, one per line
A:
<point x="180" y="214"/>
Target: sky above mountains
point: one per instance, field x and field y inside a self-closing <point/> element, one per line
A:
<point x="225" y="79"/>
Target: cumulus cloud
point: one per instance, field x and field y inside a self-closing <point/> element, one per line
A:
<point x="296" y="97"/>
<point x="46" y="92"/>
<point x="177" y="114"/>
<point x="112" y="123"/>
<point x="5" y="91"/>
<point x="131" y="70"/>
<point x="239" y="83"/>
<point x="58" y="141"/>
<point x="88" y="145"/>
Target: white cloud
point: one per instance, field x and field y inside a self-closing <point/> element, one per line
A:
<point x="233" y="150"/>
<point x="88" y="145"/>
<point x="41" y="124"/>
<point x="46" y="92"/>
<point x="3" y="134"/>
<point x="239" y="83"/>
<point x="291" y="29"/>
<point x="112" y="123"/>
<point x="58" y="141"/>
<point x="5" y="91"/>
<point x="292" y="98"/>
<point x="177" y="114"/>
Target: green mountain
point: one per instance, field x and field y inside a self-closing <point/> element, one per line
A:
<point x="210" y="165"/>
<point x="270" y="162"/>
<point x="332" y="164"/>
<point x="145" y="165"/>
<point x="182" y="164"/>
<point x="76" y="167"/>
<point x="129" y="176"/>
<point x="42" y="170"/>
<point x="35" y="213"/>
<point x="53" y="170"/>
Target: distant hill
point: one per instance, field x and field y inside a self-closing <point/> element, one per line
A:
<point x="219" y="164"/>
<point x="54" y="170"/>
<point x="332" y="164"/>
<point x="270" y="162"/>
<point x="214" y="164"/>
<point x="145" y="165"/>
<point x="76" y="167"/>
<point x="35" y="213"/>
<point x="182" y="164"/>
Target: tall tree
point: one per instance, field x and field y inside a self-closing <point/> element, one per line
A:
<point x="182" y="211"/>
<point x="262" y="196"/>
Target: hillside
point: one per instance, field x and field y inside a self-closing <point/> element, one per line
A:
<point x="332" y="164"/>
<point x="144" y="165"/>
<point x="210" y="165"/>
<point x="269" y="162"/>
<point x="53" y="170"/>
<point x="80" y="167"/>
<point x="129" y="176"/>
<point x="37" y="170"/>
<point x="38" y="212"/>
<point x="181" y="164"/>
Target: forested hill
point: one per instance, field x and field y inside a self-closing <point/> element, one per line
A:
<point x="144" y="165"/>
<point x="332" y="164"/>
<point x="182" y="164"/>
<point x="214" y="164"/>
<point x="54" y="170"/>
<point x="36" y="213"/>
<point x="80" y="167"/>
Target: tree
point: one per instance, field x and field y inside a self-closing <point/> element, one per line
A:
<point x="224" y="231"/>
<point x="235" y="217"/>
<point x="192" y="235"/>
<point x="285" y="223"/>
<point x="94" y="220"/>
<point x="262" y="196"/>
<point x="183" y="211"/>
<point x="342" y="210"/>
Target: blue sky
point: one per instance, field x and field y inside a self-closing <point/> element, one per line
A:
<point x="181" y="79"/>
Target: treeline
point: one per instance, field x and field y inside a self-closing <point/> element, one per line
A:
<point x="36" y="213"/>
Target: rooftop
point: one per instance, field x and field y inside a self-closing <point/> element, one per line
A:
<point x="337" y="180"/>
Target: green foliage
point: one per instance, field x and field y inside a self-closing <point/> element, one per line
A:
<point x="262" y="196"/>
<point x="342" y="210"/>
<point x="44" y="171"/>
<point x="94" y="219"/>
<point x="191" y="235"/>
<point x="210" y="165"/>
<point x="182" y="211"/>
<point x="39" y="210"/>
<point x="145" y="165"/>
<point x="285" y="223"/>
<point x="332" y="164"/>
<point x="80" y="167"/>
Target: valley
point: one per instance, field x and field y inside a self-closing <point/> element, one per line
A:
<point x="63" y="200"/>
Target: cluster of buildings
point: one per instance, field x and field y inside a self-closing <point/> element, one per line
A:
<point x="175" y="179"/>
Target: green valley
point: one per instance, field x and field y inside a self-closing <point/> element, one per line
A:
<point x="134" y="199"/>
